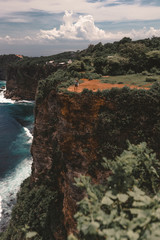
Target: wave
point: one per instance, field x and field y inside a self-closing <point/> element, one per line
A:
<point x="26" y="101"/>
<point x="29" y="134"/>
<point x="0" y="207"/>
<point x="3" y="99"/>
<point x="11" y="181"/>
<point x="7" y="100"/>
<point x="10" y="185"/>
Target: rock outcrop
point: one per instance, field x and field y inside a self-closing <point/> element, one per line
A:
<point x="5" y="61"/>
<point x="65" y="146"/>
<point x="72" y="133"/>
<point x="22" y="80"/>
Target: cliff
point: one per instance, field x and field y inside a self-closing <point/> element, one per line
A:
<point x="22" y="79"/>
<point x="24" y="74"/>
<point x="5" y="61"/>
<point x="72" y="133"/>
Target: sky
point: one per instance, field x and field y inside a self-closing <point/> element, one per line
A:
<point x="47" y="27"/>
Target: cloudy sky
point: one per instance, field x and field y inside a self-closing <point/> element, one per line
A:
<point x="46" y="27"/>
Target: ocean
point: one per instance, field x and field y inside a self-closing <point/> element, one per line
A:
<point x="16" y="126"/>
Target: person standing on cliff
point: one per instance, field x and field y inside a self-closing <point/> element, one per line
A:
<point x="76" y="84"/>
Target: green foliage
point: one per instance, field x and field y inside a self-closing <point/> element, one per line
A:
<point x="51" y="83"/>
<point x="129" y="216"/>
<point x="116" y="65"/>
<point x="87" y="91"/>
<point x="124" y="211"/>
<point x="5" y="61"/>
<point x="136" y="166"/>
<point x="128" y="114"/>
<point x="99" y="63"/>
<point x="77" y="66"/>
<point x="91" y="75"/>
<point x="136" y="53"/>
<point x="153" y="58"/>
<point x="32" y="215"/>
<point x="151" y="79"/>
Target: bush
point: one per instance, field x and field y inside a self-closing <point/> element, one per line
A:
<point x="146" y="73"/>
<point x="136" y="166"/>
<point x="130" y="71"/>
<point x="151" y="79"/>
<point x="123" y="211"/>
<point x="32" y="213"/>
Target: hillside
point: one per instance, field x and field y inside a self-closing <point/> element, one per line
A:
<point x="70" y="139"/>
<point x="95" y="149"/>
<point x="125" y="57"/>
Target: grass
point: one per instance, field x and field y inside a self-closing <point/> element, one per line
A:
<point x="131" y="79"/>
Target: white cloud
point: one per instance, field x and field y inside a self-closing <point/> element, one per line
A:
<point x="13" y="40"/>
<point x="100" y="10"/>
<point x="85" y="29"/>
<point x="17" y="20"/>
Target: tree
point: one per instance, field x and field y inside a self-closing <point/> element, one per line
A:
<point x="117" y="65"/>
<point x="153" y="59"/>
<point x="125" y="40"/>
<point x="99" y="63"/>
<point x="136" y="52"/>
<point x="77" y="66"/>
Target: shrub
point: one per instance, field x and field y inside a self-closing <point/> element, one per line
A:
<point x="121" y="210"/>
<point x="33" y="212"/>
<point x="136" y="166"/>
<point x="106" y="215"/>
<point x="145" y="73"/>
<point x="151" y="79"/>
<point x="130" y="71"/>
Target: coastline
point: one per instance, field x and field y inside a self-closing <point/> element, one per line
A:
<point x="11" y="181"/>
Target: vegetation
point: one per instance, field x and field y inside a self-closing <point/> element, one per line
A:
<point x="5" y="61"/>
<point x="34" y="212"/>
<point x="118" y="58"/>
<point x="121" y="57"/>
<point x="126" y="207"/>
<point x="140" y="79"/>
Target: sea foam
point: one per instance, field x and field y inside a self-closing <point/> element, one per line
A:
<point x="29" y="135"/>
<point x="3" y="99"/>
<point x="10" y="185"/>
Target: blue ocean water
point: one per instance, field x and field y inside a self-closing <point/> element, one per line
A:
<point x="16" y="123"/>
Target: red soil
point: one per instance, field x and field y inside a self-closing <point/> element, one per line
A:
<point x="96" y="84"/>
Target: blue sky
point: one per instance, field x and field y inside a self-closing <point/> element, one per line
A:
<point x="38" y="27"/>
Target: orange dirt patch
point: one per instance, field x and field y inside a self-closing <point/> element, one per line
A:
<point x="95" y="84"/>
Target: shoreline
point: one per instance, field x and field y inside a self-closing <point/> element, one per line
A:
<point x="11" y="181"/>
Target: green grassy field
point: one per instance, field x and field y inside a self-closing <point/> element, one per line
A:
<point x="132" y="79"/>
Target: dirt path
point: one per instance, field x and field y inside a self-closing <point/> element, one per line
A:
<point x="96" y="84"/>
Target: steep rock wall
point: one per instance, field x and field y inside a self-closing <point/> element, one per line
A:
<point x="72" y="133"/>
<point x="22" y="80"/>
<point x="5" y="61"/>
<point x="64" y="145"/>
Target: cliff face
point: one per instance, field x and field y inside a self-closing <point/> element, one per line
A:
<point x="72" y="133"/>
<point x="22" y="80"/>
<point x="5" y="61"/>
<point x="64" y="146"/>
